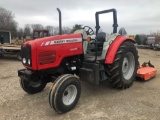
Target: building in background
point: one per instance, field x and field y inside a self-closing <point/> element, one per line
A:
<point x="6" y="35"/>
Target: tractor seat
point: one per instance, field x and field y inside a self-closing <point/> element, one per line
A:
<point x="122" y="32"/>
<point x="101" y="38"/>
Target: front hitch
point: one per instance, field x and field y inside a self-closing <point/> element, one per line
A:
<point x="26" y="74"/>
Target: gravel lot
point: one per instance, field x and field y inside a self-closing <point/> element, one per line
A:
<point x="140" y="102"/>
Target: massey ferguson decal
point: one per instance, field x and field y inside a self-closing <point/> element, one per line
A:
<point x="63" y="41"/>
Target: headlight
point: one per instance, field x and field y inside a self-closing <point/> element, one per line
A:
<point x="24" y="60"/>
<point x="29" y="62"/>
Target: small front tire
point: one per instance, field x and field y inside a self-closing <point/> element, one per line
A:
<point x="32" y="87"/>
<point x="65" y="93"/>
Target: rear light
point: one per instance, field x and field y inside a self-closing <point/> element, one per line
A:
<point x="47" y="57"/>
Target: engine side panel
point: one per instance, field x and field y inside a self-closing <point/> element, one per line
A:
<point x="114" y="47"/>
<point x="63" y="46"/>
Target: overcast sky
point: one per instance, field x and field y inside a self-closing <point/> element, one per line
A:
<point x="136" y="16"/>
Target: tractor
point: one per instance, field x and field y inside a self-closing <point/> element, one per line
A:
<point x="67" y="59"/>
<point x="40" y="33"/>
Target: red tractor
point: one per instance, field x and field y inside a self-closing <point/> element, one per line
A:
<point x="64" y="59"/>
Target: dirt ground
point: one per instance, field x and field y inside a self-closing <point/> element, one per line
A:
<point x="139" y="102"/>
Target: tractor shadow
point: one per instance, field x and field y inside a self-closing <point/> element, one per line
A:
<point x="103" y="87"/>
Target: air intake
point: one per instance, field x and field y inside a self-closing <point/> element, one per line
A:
<point x="47" y="57"/>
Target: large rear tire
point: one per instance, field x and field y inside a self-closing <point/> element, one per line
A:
<point x="65" y="93"/>
<point x="122" y="72"/>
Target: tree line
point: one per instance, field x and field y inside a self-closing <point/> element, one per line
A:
<point x="7" y="22"/>
<point x="53" y="30"/>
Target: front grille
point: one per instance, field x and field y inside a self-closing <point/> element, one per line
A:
<point x="47" y="57"/>
<point x="26" y="53"/>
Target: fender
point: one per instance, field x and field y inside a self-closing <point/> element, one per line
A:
<point x="111" y="53"/>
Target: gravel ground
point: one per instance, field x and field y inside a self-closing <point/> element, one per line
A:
<point x="139" y="102"/>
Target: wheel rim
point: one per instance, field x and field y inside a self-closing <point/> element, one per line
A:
<point x="69" y="95"/>
<point x="35" y="84"/>
<point x="128" y="66"/>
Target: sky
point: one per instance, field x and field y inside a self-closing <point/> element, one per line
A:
<point x="136" y="16"/>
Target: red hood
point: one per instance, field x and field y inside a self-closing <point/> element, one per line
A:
<point x="39" y="41"/>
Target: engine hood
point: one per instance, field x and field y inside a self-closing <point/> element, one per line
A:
<point x="59" y="39"/>
<point x="59" y="46"/>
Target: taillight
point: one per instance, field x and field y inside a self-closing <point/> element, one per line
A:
<point x="47" y="57"/>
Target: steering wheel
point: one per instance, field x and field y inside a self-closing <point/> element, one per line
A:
<point x="88" y="30"/>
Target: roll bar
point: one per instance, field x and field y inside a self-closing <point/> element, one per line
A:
<point x="115" y="25"/>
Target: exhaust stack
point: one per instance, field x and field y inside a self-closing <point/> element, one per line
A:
<point x="60" y="21"/>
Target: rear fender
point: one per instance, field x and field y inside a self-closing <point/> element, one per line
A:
<point x="112" y="50"/>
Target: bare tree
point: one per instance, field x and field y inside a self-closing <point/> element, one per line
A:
<point x="20" y="33"/>
<point x="27" y="30"/>
<point x="50" y="29"/>
<point x="76" y="27"/>
<point x="55" y="30"/>
<point x="37" y="26"/>
<point x="7" y="21"/>
<point x="66" y="30"/>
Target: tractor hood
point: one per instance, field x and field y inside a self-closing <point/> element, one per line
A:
<point x="59" y="39"/>
<point x="49" y="51"/>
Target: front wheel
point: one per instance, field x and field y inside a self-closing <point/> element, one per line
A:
<point x="65" y="93"/>
<point x="122" y="72"/>
<point x="32" y="87"/>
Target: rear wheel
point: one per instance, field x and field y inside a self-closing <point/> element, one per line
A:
<point x="32" y="87"/>
<point x="122" y="72"/>
<point x="65" y="93"/>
